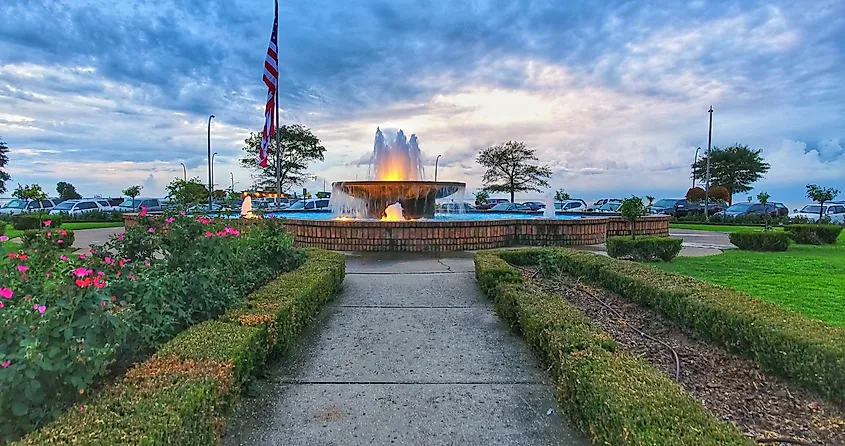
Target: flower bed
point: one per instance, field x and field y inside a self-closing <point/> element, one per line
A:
<point x="181" y="394"/>
<point x="68" y="321"/>
<point x="614" y="397"/>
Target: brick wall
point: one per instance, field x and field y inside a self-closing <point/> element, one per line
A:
<point x="649" y="225"/>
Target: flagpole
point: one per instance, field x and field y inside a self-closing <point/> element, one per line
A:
<point x="276" y="103"/>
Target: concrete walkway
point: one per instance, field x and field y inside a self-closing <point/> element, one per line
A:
<point x="410" y="353"/>
<point x="703" y="239"/>
<point x="83" y="238"/>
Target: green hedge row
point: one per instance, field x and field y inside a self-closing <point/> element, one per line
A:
<point x="181" y="394"/>
<point x="614" y="397"/>
<point x="643" y="249"/>
<point x="803" y="350"/>
<point x="760" y="241"/>
<point x="35" y="221"/>
<point x="814" y="234"/>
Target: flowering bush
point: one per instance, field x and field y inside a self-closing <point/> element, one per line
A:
<point x="67" y="320"/>
<point x="48" y="238"/>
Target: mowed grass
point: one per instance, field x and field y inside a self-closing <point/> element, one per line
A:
<point x="718" y="228"/>
<point x="76" y="226"/>
<point x="806" y="279"/>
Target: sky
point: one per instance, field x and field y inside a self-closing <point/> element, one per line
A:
<point x="613" y="95"/>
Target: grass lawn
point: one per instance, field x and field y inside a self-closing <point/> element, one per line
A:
<point x="91" y="225"/>
<point x="718" y="228"/>
<point x="806" y="279"/>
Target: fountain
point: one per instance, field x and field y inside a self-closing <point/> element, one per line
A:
<point x="396" y="176"/>
<point x="549" y="211"/>
<point x="246" y="208"/>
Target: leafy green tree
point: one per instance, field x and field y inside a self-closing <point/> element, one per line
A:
<point x="67" y="191"/>
<point x="821" y="196"/>
<point x="650" y="200"/>
<point x="300" y="148"/>
<point x="561" y="195"/>
<point x="133" y="191"/>
<point x="4" y="159"/>
<point x="30" y="192"/>
<point x="735" y="168"/>
<point x="763" y="198"/>
<point x="188" y="192"/>
<point x="632" y="208"/>
<point x="510" y="169"/>
<point x="482" y="197"/>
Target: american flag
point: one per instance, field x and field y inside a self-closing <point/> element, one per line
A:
<point x="271" y="78"/>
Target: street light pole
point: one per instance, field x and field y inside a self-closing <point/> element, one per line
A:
<point x="209" y="162"/>
<point x="436" y="161"/>
<point x="212" y="171"/>
<point x="707" y="185"/>
<point x="233" y="181"/>
<point x="184" y="172"/>
<point x="693" y="165"/>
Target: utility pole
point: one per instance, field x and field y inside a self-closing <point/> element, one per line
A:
<point x="693" y="165"/>
<point x="707" y="185"/>
<point x="209" y="162"/>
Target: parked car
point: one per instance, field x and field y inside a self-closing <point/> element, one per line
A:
<point x="507" y="207"/>
<point x="134" y="205"/>
<point x="16" y="206"/>
<point x="115" y="202"/>
<point x="76" y="207"/>
<point x="491" y="202"/>
<point x="609" y="207"/>
<point x="571" y="206"/>
<point x="533" y="205"/>
<point x="603" y="202"/>
<point x="783" y="211"/>
<point x="742" y="209"/>
<point x="310" y="205"/>
<point x="456" y="207"/>
<point x="836" y="212"/>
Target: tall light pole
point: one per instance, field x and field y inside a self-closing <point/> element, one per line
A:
<point x="212" y="170"/>
<point x="693" y="165"/>
<point x="232" y="175"/>
<point x="184" y="172"/>
<point x="707" y="185"/>
<point x="436" y="161"/>
<point x="209" y="161"/>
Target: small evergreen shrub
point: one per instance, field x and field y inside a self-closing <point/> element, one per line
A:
<point x="643" y="249"/>
<point x="23" y="222"/>
<point x="813" y="234"/>
<point x="760" y="241"/>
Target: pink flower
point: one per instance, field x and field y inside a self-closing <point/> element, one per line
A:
<point x="39" y="308"/>
<point x="7" y="293"/>
<point x="81" y="256"/>
<point x="147" y="263"/>
<point x="104" y="303"/>
<point x="60" y="241"/>
<point x="83" y="283"/>
<point x="3" y="238"/>
<point x="109" y="260"/>
<point x="22" y="268"/>
<point x="208" y="234"/>
<point x="5" y="364"/>
<point x="63" y="257"/>
<point x="183" y="213"/>
<point x="100" y="273"/>
<point x="49" y="233"/>
<point x="151" y="230"/>
<point x="143" y="211"/>
<point x="81" y="272"/>
<point x="48" y="222"/>
<point x="62" y="232"/>
<point x="99" y="282"/>
<point x="92" y="251"/>
<point x="170" y="219"/>
<point x="1" y="305"/>
<point x="120" y="236"/>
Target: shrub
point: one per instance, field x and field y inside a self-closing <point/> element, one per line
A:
<point x="180" y="395"/>
<point x="814" y="234"/>
<point x="3" y="227"/>
<point x="760" y="241"/>
<point x="94" y="215"/>
<point x="47" y="239"/>
<point x="23" y="222"/>
<point x="613" y="396"/>
<point x="644" y="249"/>
<point x="784" y="343"/>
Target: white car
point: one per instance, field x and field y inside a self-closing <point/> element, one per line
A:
<point x="571" y="206"/>
<point x="17" y="206"/>
<point x="836" y="212"/>
<point x="310" y="205"/>
<point x="76" y="207"/>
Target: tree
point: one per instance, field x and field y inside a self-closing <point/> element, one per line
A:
<point x="133" y="191"/>
<point x="30" y="192"/>
<point x="509" y="169"/>
<point x="735" y="168"/>
<point x="561" y="195"/>
<point x="67" y="191"/>
<point x="299" y="148"/>
<point x="188" y="192"/>
<point x="481" y="197"/>
<point x="720" y="193"/>
<point x="821" y="195"/>
<point x="696" y="194"/>
<point x="632" y="208"/>
<point x="763" y="198"/>
<point x="4" y="159"/>
<point x="650" y="200"/>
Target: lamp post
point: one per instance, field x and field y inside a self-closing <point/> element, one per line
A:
<point x="436" y="161"/>
<point x="707" y="185"/>
<point x="232" y="175"/>
<point x="210" y="117"/>
<point x="212" y="170"/>
<point x="184" y="172"/>
<point x="693" y="165"/>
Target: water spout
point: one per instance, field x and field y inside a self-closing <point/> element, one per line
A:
<point x="246" y="208"/>
<point x="549" y="212"/>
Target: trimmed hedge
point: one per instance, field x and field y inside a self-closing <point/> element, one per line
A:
<point x="643" y="249"/>
<point x="181" y="394"/>
<point x="35" y="221"/>
<point x="760" y="241"/>
<point x="784" y="343"/>
<point x="615" y="397"/>
<point x="814" y="234"/>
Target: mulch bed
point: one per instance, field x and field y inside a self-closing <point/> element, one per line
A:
<point x="732" y="388"/>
